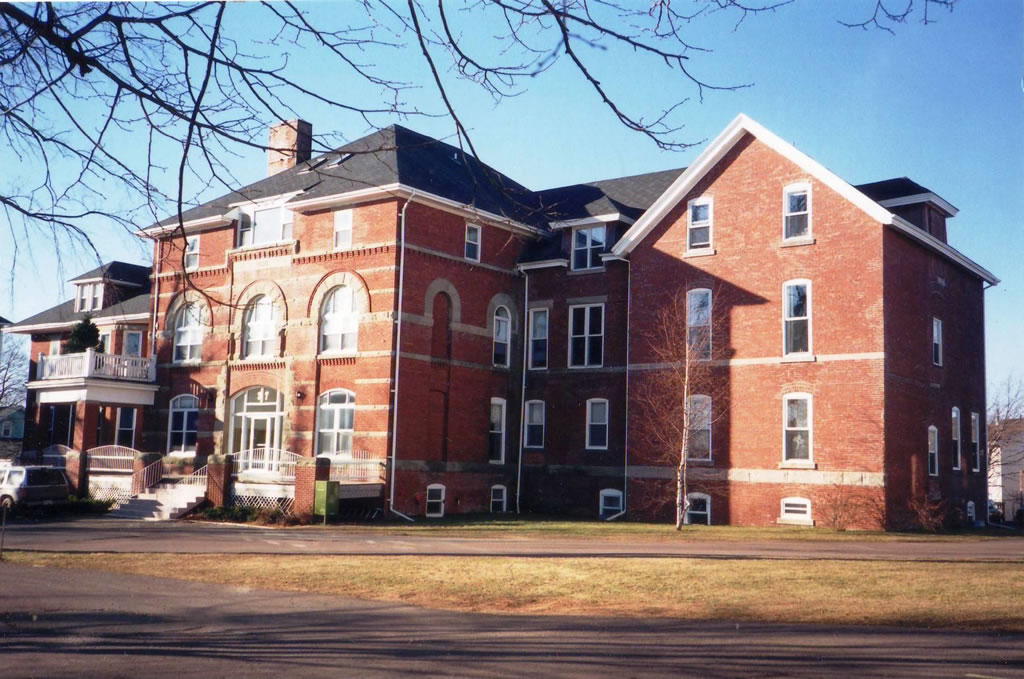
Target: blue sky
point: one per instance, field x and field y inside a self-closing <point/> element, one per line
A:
<point x="942" y="104"/>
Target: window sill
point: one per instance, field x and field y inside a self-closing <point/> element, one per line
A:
<point x="182" y="455"/>
<point x="800" y="358"/>
<point x="699" y="252"/>
<point x="186" y="364"/>
<point x="798" y="464"/>
<point x="796" y="242"/>
<point x="496" y="461"/>
<point x="582" y="272"/>
<point x="586" y="367"/>
<point x="701" y="462"/>
<point x="263" y="246"/>
<point x="794" y="522"/>
<point x="597" y="450"/>
<point x="337" y="354"/>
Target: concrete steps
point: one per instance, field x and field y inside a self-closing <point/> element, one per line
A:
<point x="162" y="502"/>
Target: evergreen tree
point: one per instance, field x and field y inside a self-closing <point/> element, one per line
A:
<point x="85" y="335"/>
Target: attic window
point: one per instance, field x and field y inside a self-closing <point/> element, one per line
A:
<point x="90" y="297"/>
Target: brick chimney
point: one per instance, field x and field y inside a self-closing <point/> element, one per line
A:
<point x="290" y="142"/>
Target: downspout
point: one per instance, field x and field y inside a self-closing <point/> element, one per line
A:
<point x="398" y="363"/>
<point x="156" y="300"/>
<point x="625" y="445"/>
<point x="525" y="334"/>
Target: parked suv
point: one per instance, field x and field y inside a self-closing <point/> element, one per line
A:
<point x="32" y="486"/>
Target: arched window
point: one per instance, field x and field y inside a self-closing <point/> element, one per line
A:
<point x="260" y="328"/>
<point x="501" y="334"/>
<point x="181" y="424"/>
<point x="188" y="333"/>
<point x="257" y="417"/>
<point x="339" y="321"/>
<point x="435" y="500"/>
<point x="334" y="417"/>
<point x="699" y="512"/>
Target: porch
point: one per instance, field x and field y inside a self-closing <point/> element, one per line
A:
<point x="95" y="377"/>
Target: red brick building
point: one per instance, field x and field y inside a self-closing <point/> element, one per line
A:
<point x="396" y="303"/>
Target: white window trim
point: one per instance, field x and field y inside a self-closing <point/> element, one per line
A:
<point x="972" y="512"/>
<point x="7" y="429"/>
<point x="118" y="429"/>
<point x="956" y="434"/>
<point x="107" y="343"/>
<point x="607" y="418"/>
<point x="796" y="188"/>
<point x="609" y="492"/>
<point x="274" y="333"/>
<point x="426" y="500"/>
<point x="711" y="453"/>
<point x="710" y="324"/>
<point x="250" y="214"/>
<point x="496" y="401"/>
<point x="336" y="407"/>
<point x="795" y="520"/>
<point x="543" y="423"/>
<point x="810" y="319"/>
<point x="189" y="241"/>
<point x="174" y="335"/>
<point x="809" y="462"/>
<point x="698" y="496"/>
<point x="508" y="335"/>
<point x="702" y="249"/>
<point x="345" y="217"/>
<point x="124" y="342"/>
<point x="937" y="325"/>
<point x="933" y="450"/>
<point x="547" y="346"/>
<point x="467" y="242"/>
<point x="170" y="421"/>
<point x="586" y="350"/>
<point x="573" y="248"/>
<point x="504" y="499"/>
<point x="976" y="442"/>
<point x="89" y="303"/>
<point x="354" y="314"/>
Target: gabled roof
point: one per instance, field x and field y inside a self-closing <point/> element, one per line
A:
<point x="118" y="271"/>
<point x="742" y="125"/>
<point x="394" y="156"/>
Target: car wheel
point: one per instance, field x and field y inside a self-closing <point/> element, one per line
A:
<point x="6" y="502"/>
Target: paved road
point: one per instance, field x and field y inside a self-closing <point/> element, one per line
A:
<point x="58" y="623"/>
<point x="113" y="535"/>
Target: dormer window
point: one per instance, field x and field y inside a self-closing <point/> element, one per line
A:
<point x="587" y="246"/>
<point x="90" y="297"/>
<point x="267" y="226"/>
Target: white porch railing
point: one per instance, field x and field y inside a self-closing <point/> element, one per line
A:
<point x="56" y="455"/>
<point x="111" y="459"/>
<point x="196" y="479"/>
<point x="92" y="363"/>
<point x="273" y="462"/>
<point x="359" y="466"/>
<point x="147" y="477"/>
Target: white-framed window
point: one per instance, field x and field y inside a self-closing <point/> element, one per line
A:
<point x="435" y="500"/>
<point x="188" y="333"/>
<point x="972" y="513"/>
<point x="588" y="243"/>
<point x="700" y="215"/>
<point x="267" y="226"/>
<point x="335" y="417"/>
<point x="496" y="432"/>
<point x="260" y="328"/>
<point x="699" y="435"/>
<point x="499" y="499"/>
<point x="500" y="335"/>
<point x="181" y="424"/>
<point x="797" y="427"/>
<point x="795" y="510"/>
<point x="796" y="212"/>
<point x="54" y="347"/>
<point x="796" y="317"/>
<point x="597" y="424"/>
<point x="90" y="297"/>
<point x="125" y="434"/>
<point x="933" y="451"/>
<point x="586" y="336"/>
<point x="534" y="424"/>
<point x="936" y="341"/>
<point x="538" y="339"/>
<point x="609" y="502"/>
<point x="7" y="430"/>
<point x="698" y="323"/>
<point x="191" y="252"/>
<point x="955" y="435"/>
<point x="472" y="249"/>
<point x="105" y="346"/>
<point x="975" y="442"/>
<point x="97" y="296"/>
<point x="339" y="321"/>
<point x="699" y="511"/>
<point x="132" y="343"/>
<point x="342" y="230"/>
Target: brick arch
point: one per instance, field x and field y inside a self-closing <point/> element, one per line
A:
<point x="507" y="301"/>
<point x="187" y="297"/>
<point x="442" y="285"/>
<point x="250" y="292"/>
<point x="336" y="279"/>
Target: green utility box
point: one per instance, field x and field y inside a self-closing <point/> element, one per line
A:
<point x="325" y="499"/>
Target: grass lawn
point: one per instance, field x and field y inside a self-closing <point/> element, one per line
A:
<point x="943" y="595"/>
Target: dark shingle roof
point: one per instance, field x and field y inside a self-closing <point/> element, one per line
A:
<point x="393" y="155"/>
<point x="4" y="321"/>
<point x="629" y="196"/>
<point x="887" y="189"/>
<point x="118" y="271"/>
<point x="65" y="312"/>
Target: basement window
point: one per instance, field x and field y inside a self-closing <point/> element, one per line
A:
<point x="796" y="510"/>
<point x="435" y="500"/>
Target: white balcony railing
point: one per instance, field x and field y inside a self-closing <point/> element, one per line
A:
<point x="359" y="466"/>
<point x="271" y="463"/>
<point x="92" y="363"/>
